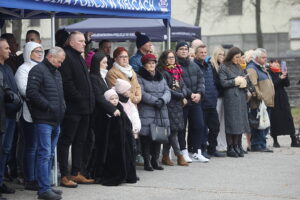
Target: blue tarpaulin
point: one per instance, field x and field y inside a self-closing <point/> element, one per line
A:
<point x="121" y="29"/>
<point x="22" y="9"/>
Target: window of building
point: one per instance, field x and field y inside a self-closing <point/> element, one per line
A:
<point x="35" y="22"/>
<point x="235" y="7"/>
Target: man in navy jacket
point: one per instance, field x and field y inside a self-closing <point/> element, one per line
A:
<point x="209" y="101"/>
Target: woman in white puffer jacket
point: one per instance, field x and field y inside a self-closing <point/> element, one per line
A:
<point x="33" y="54"/>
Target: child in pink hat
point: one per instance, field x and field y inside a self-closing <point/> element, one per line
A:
<point x="123" y="87"/>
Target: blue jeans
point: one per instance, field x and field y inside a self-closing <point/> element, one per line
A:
<point x="30" y="151"/>
<point x="47" y="140"/>
<point x="8" y="137"/>
<point x="258" y="137"/>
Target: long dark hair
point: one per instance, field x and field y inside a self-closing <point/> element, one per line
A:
<point x="162" y="61"/>
<point x="230" y="54"/>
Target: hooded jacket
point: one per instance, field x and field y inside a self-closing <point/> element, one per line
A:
<point x="21" y="75"/>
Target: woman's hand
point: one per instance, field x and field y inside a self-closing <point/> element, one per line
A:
<point x="283" y="75"/>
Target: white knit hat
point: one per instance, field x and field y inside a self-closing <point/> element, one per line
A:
<point x="122" y="86"/>
<point x="110" y="93"/>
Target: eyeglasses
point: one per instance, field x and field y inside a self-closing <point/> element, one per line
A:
<point x="123" y="57"/>
<point x="170" y="57"/>
<point x="38" y="52"/>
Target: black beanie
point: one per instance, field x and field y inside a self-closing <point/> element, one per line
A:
<point x="141" y="39"/>
<point x="181" y="44"/>
<point x="61" y="37"/>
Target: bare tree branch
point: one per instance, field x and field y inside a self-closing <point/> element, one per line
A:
<point x="198" y="13"/>
<point x="259" y="35"/>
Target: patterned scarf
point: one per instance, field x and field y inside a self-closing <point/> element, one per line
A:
<point x="275" y="69"/>
<point x="175" y="70"/>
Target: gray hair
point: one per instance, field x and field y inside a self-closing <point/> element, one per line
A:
<point x="257" y="52"/>
<point x="55" y="51"/>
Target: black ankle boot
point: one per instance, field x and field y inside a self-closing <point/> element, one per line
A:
<point x="231" y="152"/>
<point x="155" y="164"/>
<point x="275" y="142"/>
<point x="295" y="142"/>
<point x="147" y="165"/>
<point x="242" y="149"/>
<point x="238" y="150"/>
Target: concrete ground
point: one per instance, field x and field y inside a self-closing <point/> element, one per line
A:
<point x="257" y="176"/>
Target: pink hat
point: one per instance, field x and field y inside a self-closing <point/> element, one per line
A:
<point x="110" y="93"/>
<point x="122" y="86"/>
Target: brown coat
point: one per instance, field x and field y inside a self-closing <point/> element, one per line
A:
<point x="136" y="93"/>
<point x="263" y="84"/>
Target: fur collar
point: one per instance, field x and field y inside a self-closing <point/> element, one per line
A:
<point x="146" y="75"/>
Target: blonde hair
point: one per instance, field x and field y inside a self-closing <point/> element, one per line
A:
<point x="249" y="55"/>
<point x="214" y="58"/>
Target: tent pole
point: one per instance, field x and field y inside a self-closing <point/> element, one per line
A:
<point x="55" y="173"/>
<point x="168" y="34"/>
<point x="52" y="29"/>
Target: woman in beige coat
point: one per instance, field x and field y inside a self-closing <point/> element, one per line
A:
<point x="122" y="70"/>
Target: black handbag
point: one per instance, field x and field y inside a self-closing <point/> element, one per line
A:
<point x="253" y="120"/>
<point x="159" y="133"/>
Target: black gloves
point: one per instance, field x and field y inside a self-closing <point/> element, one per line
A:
<point x="159" y="103"/>
<point x="11" y="97"/>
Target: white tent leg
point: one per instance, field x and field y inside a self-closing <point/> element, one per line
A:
<point x="168" y="35"/>
<point x="55" y="173"/>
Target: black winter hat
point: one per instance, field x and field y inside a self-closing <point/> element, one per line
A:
<point x="182" y="44"/>
<point x="61" y="37"/>
<point x="141" y="39"/>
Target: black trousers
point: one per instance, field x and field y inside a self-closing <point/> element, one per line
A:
<point x="193" y="114"/>
<point x="74" y="132"/>
<point x="212" y="123"/>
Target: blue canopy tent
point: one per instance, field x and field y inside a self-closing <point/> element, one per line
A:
<point x="122" y="29"/>
<point x="30" y="9"/>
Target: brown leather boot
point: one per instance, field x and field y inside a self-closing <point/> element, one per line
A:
<point x="81" y="179"/>
<point x="166" y="160"/>
<point x="65" y="182"/>
<point x="181" y="161"/>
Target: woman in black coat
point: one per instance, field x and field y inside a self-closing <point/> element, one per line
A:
<point x="281" y="119"/>
<point x="172" y="73"/>
<point x="99" y="119"/>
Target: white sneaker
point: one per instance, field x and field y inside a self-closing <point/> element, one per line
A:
<point x="186" y="156"/>
<point x="198" y="157"/>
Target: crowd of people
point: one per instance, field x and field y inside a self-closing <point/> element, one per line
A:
<point x="107" y="109"/>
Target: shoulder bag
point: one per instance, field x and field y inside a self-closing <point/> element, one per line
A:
<point x="159" y="133"/>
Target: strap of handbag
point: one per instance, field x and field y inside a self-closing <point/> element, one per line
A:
<point x="161" y="119"/>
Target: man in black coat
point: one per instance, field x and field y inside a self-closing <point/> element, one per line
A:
<point x="47" y="107"/>
<point x="11" y="110"/>
<point x="80" y="103"/>
<point x="209" y="102"/>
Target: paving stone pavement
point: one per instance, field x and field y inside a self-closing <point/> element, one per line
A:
<point x="257" y="176"/>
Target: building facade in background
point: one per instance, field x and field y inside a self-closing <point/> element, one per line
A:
<point x="232" y="22"/>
